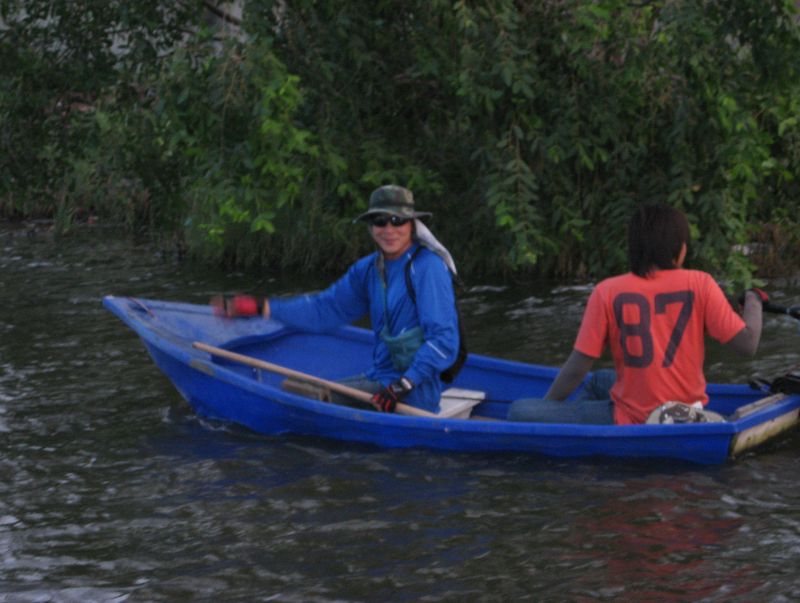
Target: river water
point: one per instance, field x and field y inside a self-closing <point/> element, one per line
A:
<point x="112" y="490"/>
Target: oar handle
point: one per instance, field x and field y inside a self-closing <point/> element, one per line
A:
<point x="403" y="409"/>
<point x="793" y="311"/>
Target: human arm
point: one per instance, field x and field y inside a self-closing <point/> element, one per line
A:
<point x="570" y="376"/>
<point x="745" y="342"/>
<point x="589" y="345"/>
<point x="344" y="301"/>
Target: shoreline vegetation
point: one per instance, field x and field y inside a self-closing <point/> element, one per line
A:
<point x="776" y="262"/>
<point x="531" y="130"/>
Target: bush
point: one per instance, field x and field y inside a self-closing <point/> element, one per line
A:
<point x="531" y="130"/>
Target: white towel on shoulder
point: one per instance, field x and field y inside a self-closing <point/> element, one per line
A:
<point x="427" y="239"/>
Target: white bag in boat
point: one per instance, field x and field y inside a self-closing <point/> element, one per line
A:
<point x="679" y="412"/>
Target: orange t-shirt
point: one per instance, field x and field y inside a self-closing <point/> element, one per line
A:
<point x="655" y="327"/>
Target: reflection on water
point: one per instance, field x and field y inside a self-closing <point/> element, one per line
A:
<point x="658" y="538"/>
<point x="111" y="489"/>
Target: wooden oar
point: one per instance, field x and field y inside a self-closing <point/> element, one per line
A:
<point x="403" y="409"/>
<point x="793" y="311"/>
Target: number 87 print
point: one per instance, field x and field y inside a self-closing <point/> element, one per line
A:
<point x="642" y="329"/>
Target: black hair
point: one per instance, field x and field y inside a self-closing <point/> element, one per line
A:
<point x="656" y="233"/>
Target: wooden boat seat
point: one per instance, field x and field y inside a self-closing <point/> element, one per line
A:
<point x="457" y="403"/>
<point x="304" y="388"/>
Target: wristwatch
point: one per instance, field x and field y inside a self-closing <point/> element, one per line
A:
<point x="402" y="386"/>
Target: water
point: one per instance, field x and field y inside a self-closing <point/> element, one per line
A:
<point x="112" y="490"/>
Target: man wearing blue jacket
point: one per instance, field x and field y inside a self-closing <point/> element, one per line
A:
<point x="406" y="288"/>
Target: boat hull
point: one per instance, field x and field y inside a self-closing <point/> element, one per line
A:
<point x="223" y="390"/>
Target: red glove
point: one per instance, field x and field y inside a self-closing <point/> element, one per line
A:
<point x="386" y="398"/>
<point x="234" y="306"/>
<point x="762" y="296"/>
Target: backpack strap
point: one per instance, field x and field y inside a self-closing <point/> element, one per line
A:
<point x="409" y="283"/>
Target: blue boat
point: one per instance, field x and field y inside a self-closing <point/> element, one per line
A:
<point x="228" y="370"/>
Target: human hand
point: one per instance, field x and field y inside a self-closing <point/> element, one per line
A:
<point x="760" y="294"/>
<point x="386" y="398"/>
<point x="234" y="306"/>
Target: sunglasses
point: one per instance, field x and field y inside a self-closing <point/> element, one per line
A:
<point x="381" y="221"/>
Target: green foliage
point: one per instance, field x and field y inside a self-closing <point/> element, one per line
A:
<point x="253" y="160"/>
<point x="60" y="60"/>
<point x="531" y="130"/>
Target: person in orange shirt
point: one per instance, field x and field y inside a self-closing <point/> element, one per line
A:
<point x="654" y="320"/>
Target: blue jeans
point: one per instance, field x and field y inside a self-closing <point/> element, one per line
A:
<point x="592" y="405"/>
<point x="356" y="382"/>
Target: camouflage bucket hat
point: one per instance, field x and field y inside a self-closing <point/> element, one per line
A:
<point x="393" y="200"/>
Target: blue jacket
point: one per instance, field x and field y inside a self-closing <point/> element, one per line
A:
<point x="360" y="292"/>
